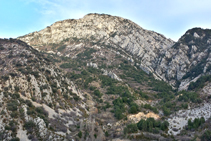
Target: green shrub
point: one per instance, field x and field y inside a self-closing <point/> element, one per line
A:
<point x="15" y="96"/>
<point x="12" y="105"/>
<point x="196" y="123"/>
<point x="76" y="98"/>
<point x="44" y="94"/>
<point x="15" y="139"/>
<point x="5" y="78"/>
<point x="131" y="128"/>
<point x="98" y="93"/>
<point x="17" y="88"/>
<point x="93" y="70"/>
<point x="133" y="110"/>
<point x="106" y="134"/>
<point x="92" y="88"/>
<point x="1" y="47"/>
<point x="30" y="111"/>
<point x="14" y="114"/>
<point x="36" y="74"/>
<point x="22" y="113"/>
<point x="33" y="98"/>
<point x="148" y="106"/>
<point x="87" y="81"/>
<point x="61" y="48"/>
<point x="118" y="113"/>
<point x="206" y="136"/>
<point x="29" y="103"/>
<point x="29" y="125"/>
<point x="185" y="105"/>
<point x="66" y="65"/>
<point x="65" y="96"/>
<point x="42" y="111"/>
<point x="84" y="72"/>
<point x="119" y="108"/>
<point x="3" y="112"/>
<point x="80" y="134"/>
<point x="75" y="76"/>
<point x="166" y="111"/>
<point x="12" y="126"/>
<point x="144" y="95"/>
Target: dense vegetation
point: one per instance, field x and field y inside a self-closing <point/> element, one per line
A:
<point x="196" y="123"/>
<point x="189" y="96"/>
<point x="141" y="77"/>
<point x="119" y="106"/>
<point x="152" y="125"/>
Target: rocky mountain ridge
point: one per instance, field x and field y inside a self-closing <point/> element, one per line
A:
<point x="104" y="30"/>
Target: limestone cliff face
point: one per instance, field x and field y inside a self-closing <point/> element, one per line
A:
<point x="168" y="61"/>
<point x="106" y="30"/>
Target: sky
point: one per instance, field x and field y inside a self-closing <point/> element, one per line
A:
<point x="172" y="18"/>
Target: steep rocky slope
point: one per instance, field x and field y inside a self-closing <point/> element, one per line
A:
<point x="37" y="101"/>
<point x="41" y="101"/>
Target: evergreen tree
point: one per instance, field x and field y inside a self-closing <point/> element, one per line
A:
<point x="206" y="136"/>
<point x="140" y="123"/>
<point x="150" y="126"/>
<point x="144" y="126"/>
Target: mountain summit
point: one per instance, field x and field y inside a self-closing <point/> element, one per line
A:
<point x="104" y="30"/>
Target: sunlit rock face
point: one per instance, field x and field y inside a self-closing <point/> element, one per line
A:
<point x="167" y="60"/>
<point x="106" y="30"/>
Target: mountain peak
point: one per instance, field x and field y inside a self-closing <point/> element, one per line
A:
<point x="192" y="36"/>
<point x="93" y="24"/>
<point x="104" y="31"/>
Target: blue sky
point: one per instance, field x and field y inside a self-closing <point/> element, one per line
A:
<point x="172" y="18"/>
